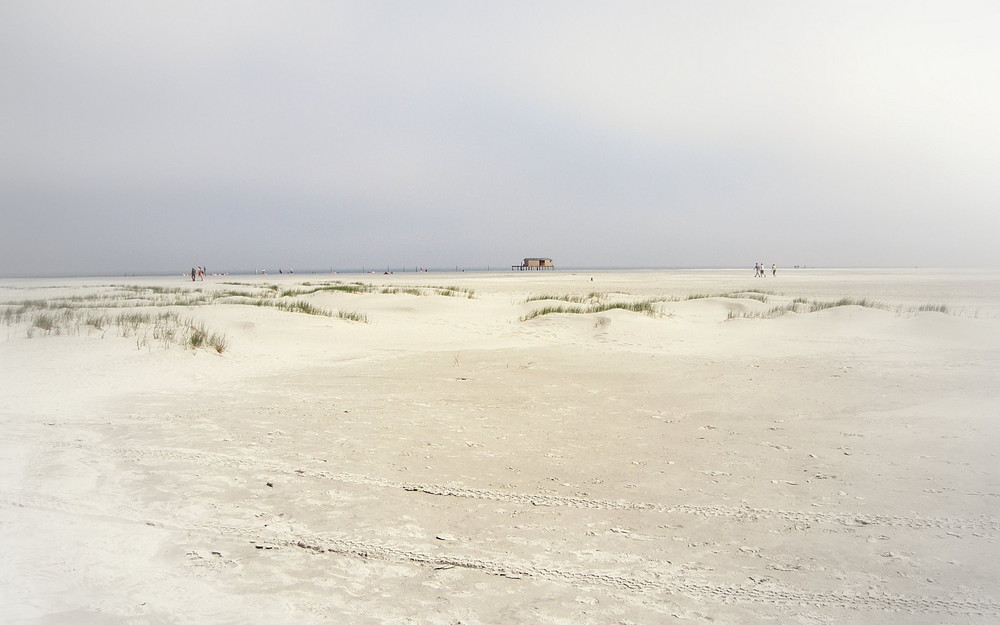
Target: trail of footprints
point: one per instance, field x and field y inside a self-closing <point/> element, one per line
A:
<point x="767" y="594"/>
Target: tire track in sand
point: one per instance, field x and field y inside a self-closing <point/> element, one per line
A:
<point x="743" y="513"/>
<point x="772" y="594"/>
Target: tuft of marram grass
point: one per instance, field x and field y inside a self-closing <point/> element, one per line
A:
<point x="352" y="316"/>
<point x="941" y="308"/>
<point x="295" y="306"/>
<point x="10" y="316"/>
<point x="573" y="299"/>
<point x="200" y="337"/>
<point x="197" y="338"/>
<point x="552" y="310"/>
<point x="96" y="320"/>
<point x="760" y="296"/>
<point x="219" y="342"/>
<point x="456" y="291"/>
<point x="45" y="322"/>
<point x="305" y="308"/>
<point x="646" y="307"/>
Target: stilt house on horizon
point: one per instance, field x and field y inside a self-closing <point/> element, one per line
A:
<point x="534" y="263"/>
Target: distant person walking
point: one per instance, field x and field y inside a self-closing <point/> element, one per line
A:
<point x="774" y="270"/>
<point x="192" y="274"/>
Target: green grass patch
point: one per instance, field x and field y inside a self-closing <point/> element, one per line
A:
<point x="295" y="306"/>
<point x="941" y="308"/>
<point x="646" y="307"/>
<point x="553" y="310"/>
<point x="760" y="296"/>
<point x="45" y="322"/>
<point x="573" y="299"/>
<point x="352" y="316"/>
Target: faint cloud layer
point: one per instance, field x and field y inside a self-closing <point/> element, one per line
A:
<point x="147" y="137"/>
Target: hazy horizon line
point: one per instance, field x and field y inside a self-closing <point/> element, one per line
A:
<point x="458" y="269"/>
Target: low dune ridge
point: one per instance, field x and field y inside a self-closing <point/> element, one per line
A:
<point x="674" y="446"/>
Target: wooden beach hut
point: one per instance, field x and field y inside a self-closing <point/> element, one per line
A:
<point x="534" y="263"/>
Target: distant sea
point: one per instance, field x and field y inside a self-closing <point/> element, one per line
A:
<point x="409" y="269"/>
<point x="360" y="270"/>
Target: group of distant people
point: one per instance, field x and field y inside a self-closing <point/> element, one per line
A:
<point x="199" y="272"/>
<point x="760" y="272"/>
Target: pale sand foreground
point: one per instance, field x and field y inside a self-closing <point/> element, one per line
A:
<point x="447" y="462"/>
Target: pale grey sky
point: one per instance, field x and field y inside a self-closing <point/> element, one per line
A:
<point x="148" y="137"/>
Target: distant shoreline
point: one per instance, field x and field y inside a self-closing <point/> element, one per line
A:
<point x="354" y="271"/>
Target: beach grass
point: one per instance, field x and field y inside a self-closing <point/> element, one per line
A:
<point x="941" y="308"/>
<point x="358" y="288"/>
<point x="592" y="303"/>
<point x="760" y="296"/>
<point x="45" y="322"/>
<point x="353" y="316"/>
<point x="166" y="327"/>
<point x="803" y="305"/>
<point x="575" y="299"/>
<point x="646" y="307"/>
<point x="150" y="313"/>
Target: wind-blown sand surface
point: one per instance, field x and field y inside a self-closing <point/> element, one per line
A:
<point x="448" y="462"/>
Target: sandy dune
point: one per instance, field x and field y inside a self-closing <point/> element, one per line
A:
<point x="443" y="460"/>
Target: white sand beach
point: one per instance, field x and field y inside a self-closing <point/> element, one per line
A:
<point x="815" y="447"/>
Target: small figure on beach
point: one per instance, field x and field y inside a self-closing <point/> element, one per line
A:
<point x="192" y="274"/>
<point x="774" y="270"/>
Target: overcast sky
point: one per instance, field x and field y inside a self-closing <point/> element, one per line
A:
<point x="142" y="137"/>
